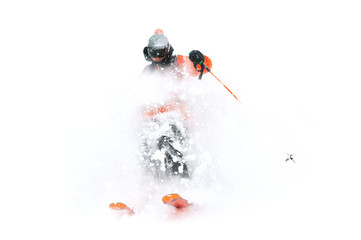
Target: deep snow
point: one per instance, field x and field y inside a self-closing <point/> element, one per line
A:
<point x="68" y="137"/>
<point x="240" y="165"/>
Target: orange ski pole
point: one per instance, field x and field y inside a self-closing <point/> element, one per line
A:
<point x="209" y="70"/>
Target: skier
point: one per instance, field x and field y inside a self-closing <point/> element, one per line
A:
<point x="160" y="53"/>
<point x="170" y="119"/>
<point x="166" y="124"/>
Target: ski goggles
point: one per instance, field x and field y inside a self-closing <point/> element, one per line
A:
<point x="158" y="53"/>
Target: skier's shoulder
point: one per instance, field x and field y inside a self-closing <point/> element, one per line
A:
<point x="181" y="59"/>
<point x="184" y="60"/>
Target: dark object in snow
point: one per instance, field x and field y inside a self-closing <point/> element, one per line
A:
<point x="165" y="146"/>
<point x="290" y="157"/>
<point x="172" y="167"/>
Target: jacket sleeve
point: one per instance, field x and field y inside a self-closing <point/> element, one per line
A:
<point x="187" y="66"/>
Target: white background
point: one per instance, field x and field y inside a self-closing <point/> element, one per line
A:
<point x="65" y="64"/>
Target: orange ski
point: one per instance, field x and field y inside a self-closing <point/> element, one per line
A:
<point x="122" y="207"/>
<point x="176" y="201"/>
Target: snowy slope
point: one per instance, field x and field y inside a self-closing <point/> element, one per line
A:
<point x="69" y="91"/>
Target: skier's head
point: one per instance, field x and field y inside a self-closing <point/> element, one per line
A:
<point x="158" y="47"/>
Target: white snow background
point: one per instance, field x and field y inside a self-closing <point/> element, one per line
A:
<point x="68" y="89"/>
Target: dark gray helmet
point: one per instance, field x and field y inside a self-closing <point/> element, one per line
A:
<point x="158" y="46"/>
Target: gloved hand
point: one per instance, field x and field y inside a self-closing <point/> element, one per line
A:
<point x="196" y="57"/>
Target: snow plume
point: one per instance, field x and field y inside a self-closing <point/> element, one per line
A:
<point x="225" y="152"/>
<point x="228" y="155"/>
<point x="211" y="137"/>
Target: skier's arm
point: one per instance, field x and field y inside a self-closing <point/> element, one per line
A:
<point x="190" y="66"/>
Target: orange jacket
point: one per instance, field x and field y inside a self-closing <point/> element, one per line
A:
<point x="178" y="66"/>
<point x="155" y="110"/>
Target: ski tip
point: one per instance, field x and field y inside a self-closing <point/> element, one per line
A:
<point x="170" y="197"/>
<point x="122" y="207"/>
<point x="118" y="206"/>
<point x="176" y="201"/>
